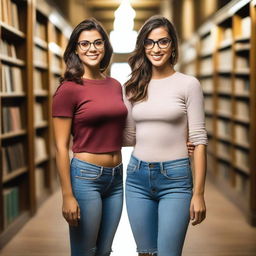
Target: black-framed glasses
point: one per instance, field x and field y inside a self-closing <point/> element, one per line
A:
<point x="84" y="45"/>
<point x="161" y="43"/>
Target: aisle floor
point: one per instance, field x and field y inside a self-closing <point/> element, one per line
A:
<point x="224" y="233"/>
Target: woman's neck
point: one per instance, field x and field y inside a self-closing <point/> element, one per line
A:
<point x="93" y="74"/>
<point x="162" y="72"/>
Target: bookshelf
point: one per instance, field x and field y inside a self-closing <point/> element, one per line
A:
<point x="33" y="36"/>
<point x="225" y="62"/>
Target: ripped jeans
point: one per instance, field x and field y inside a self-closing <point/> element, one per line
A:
<point x="158" y="196"/>
<point x="99" y="193"/>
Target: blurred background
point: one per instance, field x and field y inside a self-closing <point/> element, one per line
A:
<point x="217" y="45"/>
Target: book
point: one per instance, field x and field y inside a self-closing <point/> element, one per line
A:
<point x="224" y="129"/>
<point x="224" y="106"/>
<point x="38" y="113"/>
<point x="11" y="204"/>
<point x="225" y="61"/>
<point x="242" y="110"/>
<point x="241" y="134"/>
<point x="40" y="148"/>
<point x="40" y="181"/>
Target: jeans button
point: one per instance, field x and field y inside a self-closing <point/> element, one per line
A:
<point x="151" y="165"/>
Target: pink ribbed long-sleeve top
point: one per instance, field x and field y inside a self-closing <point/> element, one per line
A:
<point x="172" y="114"/>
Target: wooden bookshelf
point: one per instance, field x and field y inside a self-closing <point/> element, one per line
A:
<point x="226" y="62"/>
<point x="33" y="36"/>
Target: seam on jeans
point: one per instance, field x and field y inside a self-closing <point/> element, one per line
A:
<point x="148" y="251"/>
<point x="175" y="166"/>
<point x="92" y="251"/>
<point x="105" y="254"/>
<point x="89" y="178"/>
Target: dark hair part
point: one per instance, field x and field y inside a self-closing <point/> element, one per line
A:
<point x="74" y="67"/>
<point x="136" y="87"/>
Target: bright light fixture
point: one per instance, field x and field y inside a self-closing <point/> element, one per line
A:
<point x="123" y="37"/>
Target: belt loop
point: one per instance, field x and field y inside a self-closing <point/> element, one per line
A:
<point x="101" y="170"/>
<point x="138" y="165"/>
<point x="162" y="166"/>
<point x="113" y="171"/>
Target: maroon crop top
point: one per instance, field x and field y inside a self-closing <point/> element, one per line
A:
<point x="98" y="114"/>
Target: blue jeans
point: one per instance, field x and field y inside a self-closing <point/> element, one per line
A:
<point x="158" y="196"/>
<point x="99" y="193"/>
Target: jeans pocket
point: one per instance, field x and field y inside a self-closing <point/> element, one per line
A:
<point x="131" y="168"/>
<point x="177" y="172"/>
<point x="86" y="174"/>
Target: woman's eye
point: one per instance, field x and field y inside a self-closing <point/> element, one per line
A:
<point x="84" y="43"/>
<point x="98" y="43"/>
<point x="164" y="42"/>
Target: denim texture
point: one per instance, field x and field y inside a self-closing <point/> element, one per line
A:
<point x="158" y="196"/>
<point x="99" y="193"/>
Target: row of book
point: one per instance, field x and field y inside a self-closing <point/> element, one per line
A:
<point x="11" y="119"/>
<point x="224" y="150"/>
<point x="40" y="148"/>
<point x="11" y="79"/>
<point x="13" y="157"/>
<point x="224" y="128"/>
<point x="207" y="85"/>
<point x="226" y="36"/>
<point x="9" y="13"/>
<point x="38" y="113"/>
<point x="190" y="69"/>
<point x="38" y="80"/>
<point x="40" y="181"/>
<point x="7" y="48"/>
<point x="246" y="27"/>
<point x="241" y="134"/>
<point x="40" y="30"/>
<point x="242" y="85"/>
<point x="242" y="160"/>
<point x="206" y="66"/>
<point x="225" y="60"/>
<point x="10" y="205"/>
<point x="40" y="55"/>
<point x="207" y="45"/>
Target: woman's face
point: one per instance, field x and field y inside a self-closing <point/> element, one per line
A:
<point x="90" y="48"/>
<point x="158" y="53"/>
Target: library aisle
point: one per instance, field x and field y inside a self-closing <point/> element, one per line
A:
<point x="224" y="233"/>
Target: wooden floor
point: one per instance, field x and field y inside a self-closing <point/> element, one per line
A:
<point x="224" y="233"/>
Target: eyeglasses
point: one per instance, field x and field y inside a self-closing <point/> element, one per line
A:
<point x="161" y="43"/>
<point x="84" y="45"/>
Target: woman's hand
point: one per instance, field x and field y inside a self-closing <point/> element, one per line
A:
<point x="71" y="210"/>
<point x="191" y="148"/>
<point x="197" y="209"/>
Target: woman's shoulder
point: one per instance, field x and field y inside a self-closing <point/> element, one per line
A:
<point x="189" y="79"/>
<point x="114" y="81"/>
<point x="67" y="87"/>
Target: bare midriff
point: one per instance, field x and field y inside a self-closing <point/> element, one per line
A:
<point x="111" y="159"/>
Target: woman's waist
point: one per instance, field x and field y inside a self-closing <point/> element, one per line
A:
<point x="109" y="159"/>
<point x="180" y="161"/>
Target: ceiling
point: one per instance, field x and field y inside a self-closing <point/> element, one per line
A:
<point x="103" y="10"/>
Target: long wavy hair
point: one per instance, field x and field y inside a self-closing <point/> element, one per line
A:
<point x="74" y="67"/>
<point x="136" y="87"/>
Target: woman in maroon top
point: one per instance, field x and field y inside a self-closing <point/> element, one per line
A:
<point x="88" y="105"/>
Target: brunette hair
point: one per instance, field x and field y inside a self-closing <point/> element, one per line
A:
<point x="74" y="67"/>
<point x="136" y="87"/>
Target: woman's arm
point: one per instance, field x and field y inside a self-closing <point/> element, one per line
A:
<point x="197" y="207"/>
<point x="129" y="134"/>
<point x="198" y="136"/>
<point x="62" y="131"/>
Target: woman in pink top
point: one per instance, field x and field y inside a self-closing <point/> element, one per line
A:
<point x="167" y="109"/>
